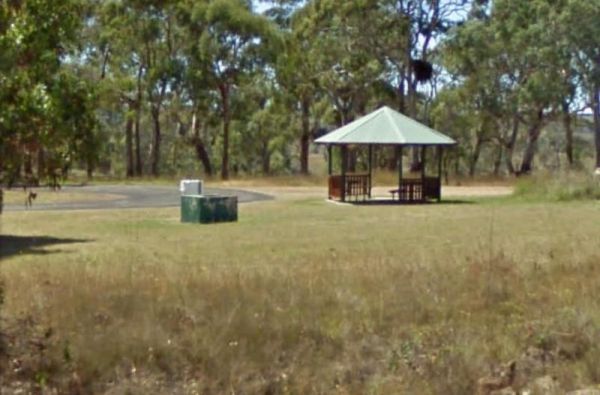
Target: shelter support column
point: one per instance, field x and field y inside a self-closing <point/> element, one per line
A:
<point x="400" y="157"/>
<point x="370" y="159"/>
<point x="344" y="167"/>
<point x="329" y="160"/>
<point x="423" y="171"/>
<point x="439" y="157"/>
<point x="423" y="162"/>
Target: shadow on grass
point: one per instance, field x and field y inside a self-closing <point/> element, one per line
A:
<point x="15" y="245"/>
<point x="389" y="202"/>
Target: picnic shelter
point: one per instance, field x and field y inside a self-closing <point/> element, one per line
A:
<point x="385" y="127"/>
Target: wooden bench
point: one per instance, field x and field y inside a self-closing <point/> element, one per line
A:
<point x="417" y="190"/>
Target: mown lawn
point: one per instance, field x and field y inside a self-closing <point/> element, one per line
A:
<point x="300" y="296"/>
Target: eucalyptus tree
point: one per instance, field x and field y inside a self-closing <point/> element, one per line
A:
<point x="335" y="44"/>
<point x="413" y="28"/>
<point x="341" y="52"/>
<point x="469" y="122"/>
<point x="295" y="77"/>
<point x="294" y="72"/>
<point x="196" y="86"/>
<point x="116" y="38"/>
<point x="579" y="23"/>
<point x="483" y="88"/>
<point x="138" y="46"/>
<point x="231" y="40"/>
<point x="265" y="127"/>
<point x="46" y="110"/>
<point x="162" y="43"/>
<point x="540" y="95"/>
<point x="508" y="60"/>
<point x="407" y="39"/>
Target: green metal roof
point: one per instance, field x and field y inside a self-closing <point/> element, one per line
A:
<point x="385" y="126"/>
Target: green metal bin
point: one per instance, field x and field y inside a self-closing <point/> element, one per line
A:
<point x="207" y="209"/>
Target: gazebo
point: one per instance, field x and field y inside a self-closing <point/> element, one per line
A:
<point x="384" y="127"/>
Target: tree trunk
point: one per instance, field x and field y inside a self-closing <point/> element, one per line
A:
<point x="415" y="163"/>
<point x="129" y="143"/>
<point x="352" y="159"/>
<point x="596" y="110"/>
<point x="14" y="174"/>
<point x="532" y="137"/>
<point x="305" y="138"/>
<point x="510" y="146"/>
<point x="266" y="158"/>
<point x="395" y="157"/>
<point x="445" y="167"/>
<point x="41" y="165"/>
<point x="457" y="171"/>
<point x="568" y="133"/>
<point x="157" y="135"/>
<point x="138" y="115"/>
<point x="224" y="89"/>
<point x="28" y="169"/>
<point x="138" y="148"/>
<point x="475" y="155"/>
<point x="498" y="160"/>
<point x="156" y="140"/>
<point x="90" y="168"/>
<point x="199" y="147"/>
<point x="401" y="95"/>
<point x="105" y="58"/>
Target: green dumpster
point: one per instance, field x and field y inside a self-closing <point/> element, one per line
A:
<point x="207" y="209"/>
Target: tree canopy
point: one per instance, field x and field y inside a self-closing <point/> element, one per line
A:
<point x="135" y="87"/>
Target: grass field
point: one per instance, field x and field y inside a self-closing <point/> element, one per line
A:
<point x="300" y="296"/>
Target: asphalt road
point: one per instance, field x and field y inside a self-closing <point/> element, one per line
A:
<point x="135" y="196"/>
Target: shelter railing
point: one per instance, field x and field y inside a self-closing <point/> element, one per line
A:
<point x="356" y="186"/>
<point x="418" y="190"/>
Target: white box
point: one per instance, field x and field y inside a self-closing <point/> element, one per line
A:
<point x="191" y="187"/>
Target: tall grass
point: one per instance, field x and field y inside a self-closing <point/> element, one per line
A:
<point x="559" y="187"/>
<point x="305" y="297"/>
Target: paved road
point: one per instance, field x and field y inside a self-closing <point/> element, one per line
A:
<point x="135" y="196"/>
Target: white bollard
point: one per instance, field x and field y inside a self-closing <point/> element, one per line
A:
<point x="191" y="187"/>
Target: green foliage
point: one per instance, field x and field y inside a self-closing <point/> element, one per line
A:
<point x="43" y="105"/>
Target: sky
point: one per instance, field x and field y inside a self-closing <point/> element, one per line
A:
<point x="260" y="6"/>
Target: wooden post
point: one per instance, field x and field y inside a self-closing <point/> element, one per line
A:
<point x="423" y="166"/>
<point x="329" y="160"/>
<point x="400" y="157"/>
<point x="344" y="166"/>
<point x="423" y="162"/>
<point x="439" y="153"/>
<point x="370" y="168"/>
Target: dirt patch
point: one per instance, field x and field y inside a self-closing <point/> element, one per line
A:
<point x="293" y="193"/>
<point x="477" y="191"/>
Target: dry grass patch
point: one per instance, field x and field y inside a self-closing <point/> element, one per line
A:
<point x="45" y="196"/>
<point x="307" y="297"/>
